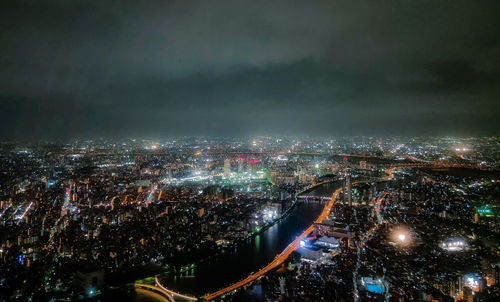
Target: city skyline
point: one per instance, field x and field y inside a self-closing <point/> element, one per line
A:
<point x="251" y="219"/>
<point x="244" y="151"/>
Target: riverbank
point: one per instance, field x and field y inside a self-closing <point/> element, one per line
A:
<point x="187" y="270"/>
<point x="250" y="256"/>
<point x="257" y="250"/>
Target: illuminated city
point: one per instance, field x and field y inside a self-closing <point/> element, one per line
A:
<point x="104" y="218"/>
<point x="277" y="151"/>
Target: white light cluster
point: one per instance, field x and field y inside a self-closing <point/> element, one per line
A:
<point x="454" y="245"/>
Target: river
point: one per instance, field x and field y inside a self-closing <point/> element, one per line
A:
<point x="252" y="255"/>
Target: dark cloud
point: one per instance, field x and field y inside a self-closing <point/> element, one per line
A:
<point x="85" y="68"/>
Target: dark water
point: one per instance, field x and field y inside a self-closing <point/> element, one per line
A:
<point x="250" y="256"/>
<point x="324" y="190"/>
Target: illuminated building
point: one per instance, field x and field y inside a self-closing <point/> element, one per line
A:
<point x="454" y="245"/>
<point x="485" y="211"/>
<point x="241" y="160"/>
<point x="362" y="165"/>
<point x="332" y="229"/>
<point x="309" y="254"/>
<point x="227" y="167"/>
<point x="373" y="285"/>
<point x="328" y="242"/>
<point x="347" y="190"/>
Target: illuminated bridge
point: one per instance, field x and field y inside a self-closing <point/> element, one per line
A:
<point x="172" y="293"/>
<point x="162" y="293"/>
<point x="280" y="258"/>
<point x="154" y="291"/>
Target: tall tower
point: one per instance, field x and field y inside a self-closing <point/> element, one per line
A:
<point x="348" y="189"/>
<point x="347" y="182"/>
<point x="66" y="203"/>
<point x="227" y="167"/>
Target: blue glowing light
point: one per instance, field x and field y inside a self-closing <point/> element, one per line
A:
<point x="375" y="288"/>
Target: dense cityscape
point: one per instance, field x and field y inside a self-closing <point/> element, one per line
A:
<point x="249" y="151"/>
<point x="404" y="219"/>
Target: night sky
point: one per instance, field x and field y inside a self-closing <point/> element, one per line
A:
<point x="75" y="69"/>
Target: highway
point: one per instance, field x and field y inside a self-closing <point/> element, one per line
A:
<point x="172" y="293"/>
<point x="157" y="292"/>
<point x="280" y="258"/>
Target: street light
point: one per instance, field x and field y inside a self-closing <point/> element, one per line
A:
<point x="91" y="291"/>
<point x="401" y="236"/>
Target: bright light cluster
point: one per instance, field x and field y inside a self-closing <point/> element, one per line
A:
<point x="454" y="245"/>
<point x="401" y="236"/>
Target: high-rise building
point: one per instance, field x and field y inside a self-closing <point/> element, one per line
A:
<point x="347" y="190"/>
<point x="169" y="173"/>
<point x="362" y="165"/>
<point x="227" y="166"/>
<point x="345" y="162"/>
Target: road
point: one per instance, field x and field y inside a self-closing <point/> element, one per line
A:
<point x="157" y="292"/>
<point x="280" y="258"/>
<point x="364" y="239"/>
<point x="172" y="293"/>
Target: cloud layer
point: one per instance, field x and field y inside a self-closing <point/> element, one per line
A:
<point x="126" y="68"/>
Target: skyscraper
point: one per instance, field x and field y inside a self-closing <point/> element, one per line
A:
<point x="362" y="164"/>
<point x="347" y="189"/>
<point x="227" y="167"/>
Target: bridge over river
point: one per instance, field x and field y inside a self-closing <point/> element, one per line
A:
<point x="258" y="255"/>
